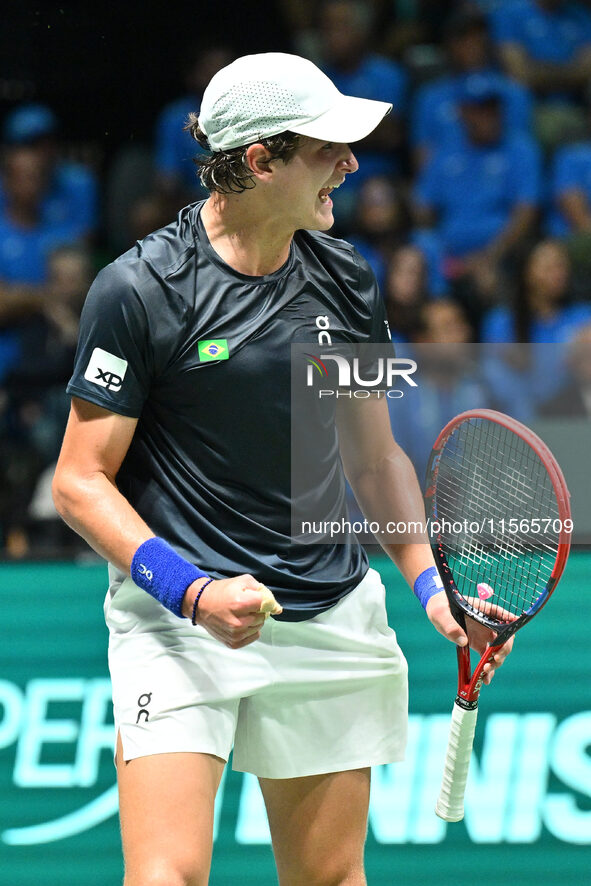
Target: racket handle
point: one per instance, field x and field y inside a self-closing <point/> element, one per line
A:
<point x="450" y="804"/>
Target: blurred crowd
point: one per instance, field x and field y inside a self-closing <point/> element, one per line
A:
<point x="472" y="204"/>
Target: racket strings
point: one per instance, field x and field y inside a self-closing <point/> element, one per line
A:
<point x="496" y="507"/>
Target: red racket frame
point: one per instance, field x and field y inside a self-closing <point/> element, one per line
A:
<point x="469" y="686"/>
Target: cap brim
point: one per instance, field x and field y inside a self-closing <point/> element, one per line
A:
<point x="349" y="120"/>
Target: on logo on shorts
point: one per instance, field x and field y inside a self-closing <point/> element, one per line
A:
<point x="106" y="370"/>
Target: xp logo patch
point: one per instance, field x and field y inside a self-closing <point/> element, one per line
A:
<point x="106" y="370"/>
<point x="213" y="349"/>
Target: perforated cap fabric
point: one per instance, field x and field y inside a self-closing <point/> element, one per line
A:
<point x="258" y="96"/>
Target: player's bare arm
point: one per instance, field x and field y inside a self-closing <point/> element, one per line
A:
<point x="86" y="496"/>
<point x="84" y="488"/>
<point x="384" y="481"/>
<point x="386" y="486"/>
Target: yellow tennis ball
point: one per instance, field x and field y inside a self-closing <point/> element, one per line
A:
<point x="269" y="605"/>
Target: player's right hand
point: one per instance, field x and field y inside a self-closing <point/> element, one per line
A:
<point x="476" y="635"/>
<point x="439" y="614"/>
<point x="228" y="609"/>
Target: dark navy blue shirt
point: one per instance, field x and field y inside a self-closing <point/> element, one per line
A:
<point x="200" y="354"/>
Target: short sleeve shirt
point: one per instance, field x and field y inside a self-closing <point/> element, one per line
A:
<point x="70" y="200"/>
<point x="546" y="35"/>
<point x="24" y="252"/>
<point x="200" y="354"/>
<point x="436" y="121"/>
<point x="571" y="172"/>
<point x="474" y="189"/>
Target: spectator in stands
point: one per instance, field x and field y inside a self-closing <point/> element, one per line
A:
<point x="146" y="214"/>
<point x="429" y="243"/>
<point x="70" y="189"/>
<point x="436" y="118"/>
<point x="571" y="191"/>
<point x="481" y="194"/>
<point x="574" y="398"/>
<point x="19" y="468"/>
<point x="546" y="46"/>
<point x="36" y="385"/>
<point x="380" y="224"/>
<point x="543" y="311"/>
<point x="177" y="180"/>
<point x="442" y="322"/>
<point x="34" y="402"/>
<point x="345" y="32"/>
<point x="69" y="276"/>
<point x="542" y="319"/>
<point x="26" y="239"/>
<point x="449" y="380"/>
<point x="406" y="291"/>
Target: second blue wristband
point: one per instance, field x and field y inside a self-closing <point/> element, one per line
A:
<point x="427" y="585"/>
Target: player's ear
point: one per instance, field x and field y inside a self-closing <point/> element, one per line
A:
<point x="258" y="160"/>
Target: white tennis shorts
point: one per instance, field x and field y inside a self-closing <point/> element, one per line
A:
<point x="323" y="695"/>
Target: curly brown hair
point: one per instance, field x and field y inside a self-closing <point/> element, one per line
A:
<point x="227" y="172"/>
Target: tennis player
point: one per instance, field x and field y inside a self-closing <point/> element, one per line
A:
<point x="175" y="467"/>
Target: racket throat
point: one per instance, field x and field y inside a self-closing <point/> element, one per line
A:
<point x="468" y="685"/>
<point x="466" y="704"/>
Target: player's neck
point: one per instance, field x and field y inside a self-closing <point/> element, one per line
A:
<point x="250" y="245"/>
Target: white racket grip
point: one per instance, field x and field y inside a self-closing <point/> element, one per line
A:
<point x="450" y="803"/>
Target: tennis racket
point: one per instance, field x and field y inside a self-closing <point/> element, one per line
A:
<point x="500" y="527"/>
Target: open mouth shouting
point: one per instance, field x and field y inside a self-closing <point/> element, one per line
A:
<point x="324" y="193"/>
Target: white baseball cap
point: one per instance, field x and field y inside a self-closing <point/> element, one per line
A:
<point x="258" y="96"/>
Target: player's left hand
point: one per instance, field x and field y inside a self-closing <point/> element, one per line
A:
<point x="478" y="636"/>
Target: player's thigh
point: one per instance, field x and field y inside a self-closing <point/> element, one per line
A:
<point x="166" y="807"/>
<point x="318" y="826"/>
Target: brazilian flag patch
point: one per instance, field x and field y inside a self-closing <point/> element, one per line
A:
<point x="213" y="349"/>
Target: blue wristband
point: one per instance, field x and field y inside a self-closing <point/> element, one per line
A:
<point x="165" y="575"/>
<point x="427" y="585"/>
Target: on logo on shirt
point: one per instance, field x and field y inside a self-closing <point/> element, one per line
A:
<point x="106" y="370"/>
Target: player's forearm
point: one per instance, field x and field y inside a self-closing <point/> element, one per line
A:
<point x="94" y="508"/>
<point x="389" y="495"/>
